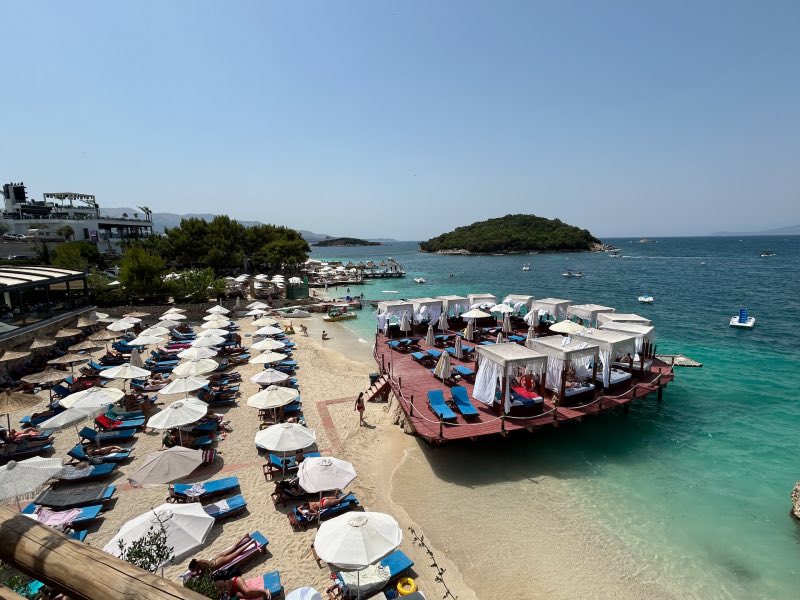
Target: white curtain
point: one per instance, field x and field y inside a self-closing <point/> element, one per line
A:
<point x="486" y="380"/>
<point x="554" y="368"/>
<point x="605" y="358"/>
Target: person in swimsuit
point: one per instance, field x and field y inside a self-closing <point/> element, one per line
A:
<point x="237" y="588"/>
<point x="311" y="510"/>
<point x="360" y="408"/>
<point x="199" y="566"/>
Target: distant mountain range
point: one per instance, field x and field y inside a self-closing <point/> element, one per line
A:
<point x="162" y="221"/>
<point x="793" y="230"/>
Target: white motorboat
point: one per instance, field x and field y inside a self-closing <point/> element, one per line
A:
<point x="743" y="320"/>
<point x="646" y="299"/>
<point x="526" y="267"/>
<point x="572" y="274"/>
<point x="419" y="280"/>
<point x="767" y="253"/>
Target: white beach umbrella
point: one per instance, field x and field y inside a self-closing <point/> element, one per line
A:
<point x="268" y="344"/>
<point x="319" y="474"/>
<point x="208" y="341"/>
<point x="215" y="317"/>
<point x="355" y="540"/>
<point x="430" y="336"/>
<point x="256" y="312"/>
<point x="190" y="368"/>
<point x="167" y="324"/>
<point x="146" y="340"/>
<point x="269" y="377"/>
<point x="183" y="385"/>
<point x="475" y="314"/>
<point x="257" y="304"/>
<point x="121" y="325"/>
<point x="93" y="397"/>
<point x="442" y="369"/>
<point x="405" y="323"/>
<point x="23" y="478"/>
<point x="216" y="324"/>
<point x="187" y="526"/>
<point x="500" y="339"/>
<point x="180" y="412"/>
<point x="285" y="437"/>
<point x="502" y="309"/>
<point x="136" y="359"/>
<point x="531" y="317"/>
<point x="71" y="417"/>
<point x="273" y="397"/>
<point x="443" y="324"/>
<point x="166" y="466"/>
<point x="197" y="353"/>
<point x="265" y="322"/>
<point x="155" y="330"/>
<point x="213" y="332"/>
<point x="218" y="310"/>
<point x="268" y="357"/>
<point x="507" y="323"/>
<point x="125" y="371"/>
<point x="458" y="348"/>
<point x="304" y="593"/>
<point x="174" y="316"/>
<point x="268" y="330"/>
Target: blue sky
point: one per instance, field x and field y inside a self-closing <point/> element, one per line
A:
<point x="406" y="119"/>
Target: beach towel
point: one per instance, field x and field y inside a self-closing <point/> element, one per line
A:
<point x="71" y="497"/>
<point x="54" y="518"/>
<point x="76" y="472"/>
<point x="195" y="491"/>
<point x="217" y="507"/>
<point x="370" y="580"/>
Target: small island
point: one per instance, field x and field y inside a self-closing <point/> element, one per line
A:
<point x="345" y="241"/>
<point x="513" y="234"/>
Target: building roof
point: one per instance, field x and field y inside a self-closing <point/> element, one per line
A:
<point x="12" y="278"/>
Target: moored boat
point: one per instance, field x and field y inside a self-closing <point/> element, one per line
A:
<point x="339" y="313"/>
<point x="646" y="299"/>
<point x="419" y="280"/>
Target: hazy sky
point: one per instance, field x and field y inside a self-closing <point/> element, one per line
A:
<point x="405" y="119"/>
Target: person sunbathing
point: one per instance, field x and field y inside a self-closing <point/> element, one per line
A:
<point x="237" y="588"/>
<point x="91" y="451"/>
<point x="199" y="566"/>
<point x="312" y="509"/>
<point x="11" y="436"/>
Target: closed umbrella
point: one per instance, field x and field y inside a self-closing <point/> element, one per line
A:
<point x="136" y="359"/>
<point x="531" y="318"/>
<point x="442" y="369"/>
<point x="24" y="478"/>
<point x="269" y="377"/>
<point x="125" y="371"/>
<point x="166" y="466"/>
<point x="443" y="324"/>
<point x="273" y="397"/>
<point x="197" y="353"/>
<point x="219" y="310"/>
<point x="180" y="412"/>
<point x="268" y="344"/>
<point x="458" y="348"/>
<point x="531" y="333"/>
<point x="268" y="330"/>
<point x="355" y="540"/>
<point x="146" y="340"/>
<point x="506" y="323"/>
<point x="405" y="323"/>
<point x="469" y="333"/>
<point x="500" y="339"/>
<point x="186" y="525"/>
<point x="92" y="397"/>
<point x="201" y="366"/>
<point x="208" y="341"/>
<point x="267" y="358"/>
<point x="183" y="385"/>
<point x="285" y="437"/>
<point x="429" y="337"/>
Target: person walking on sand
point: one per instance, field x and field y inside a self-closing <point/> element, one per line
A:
<point x="360" y="408"/>
<point x="304" y="330"/>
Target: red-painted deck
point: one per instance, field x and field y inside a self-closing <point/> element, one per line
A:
<point x="411" y="381"/>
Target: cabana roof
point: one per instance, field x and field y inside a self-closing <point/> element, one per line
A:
<point x="615" y="342"/>
<point x="555" y="346"/>
<point x="555" y="306"/>
<point x="588" y="311"/>
<point x="637" y="329"/>
<point x="426" y="301"/>
<point x="453" y="298"/>
<point x="473" y="298"/>
<point x="395" y="307"/>
<point x="510" y="354"/>
<point x="519" y="298"/>
<point x="623" y="318"/>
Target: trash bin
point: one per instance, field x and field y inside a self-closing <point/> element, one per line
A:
<point x="373" y="377"/>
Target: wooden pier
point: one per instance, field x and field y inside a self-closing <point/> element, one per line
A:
<point x="410" y="382"/>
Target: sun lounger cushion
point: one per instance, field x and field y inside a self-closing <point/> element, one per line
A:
<point x="72" y="498"/>
<point x="464" y="371"/>
<point x="106" y="437"/>
<point x="420" y="356"/>
<point x="438" y="406"/>
<point x="462" y="402"/>
<point x="79" y="516"/>
<point x="434" y="352"/>
<point x="271" y="581"/>
<point x="204" y="490"/>
<point x="78" y="453"/>
<point x="578" y="388"/>
<point x="73" y="474"/>
<point x="619" y="376"/>
<point x="227" y="507"/>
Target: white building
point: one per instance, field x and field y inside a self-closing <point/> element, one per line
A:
<point x="46" y="219"/>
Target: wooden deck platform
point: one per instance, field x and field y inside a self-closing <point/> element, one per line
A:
<point x="410" y="382"/>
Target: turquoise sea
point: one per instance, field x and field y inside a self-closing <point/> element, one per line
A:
<point x="698" y="485"/>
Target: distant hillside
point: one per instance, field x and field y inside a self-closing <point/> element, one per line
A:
<point x="792" y="230"/>
<point x="512" y="233"/>
<point x="344" y="241"/>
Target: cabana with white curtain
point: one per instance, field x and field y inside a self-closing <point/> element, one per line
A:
<point x="613" y="345"/>
<point x="453" y="306"/>
<point x="553" y="307"/>
<point x="519" y="302"/>
<point x="643" y="333"/>
<point x="393" y="309"/>
<point x="588" y="312"/>
<point x="603" y="318"/>
<point x="496" y="364"/>
<point x="427" y="309"/>
<point x="563" y="353"/>
<point x="481" y="299"/>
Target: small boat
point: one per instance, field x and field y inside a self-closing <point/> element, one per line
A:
<point x="646" y="299"/>
<point x="766" y="253"/>
<point x="614" y="254"/>
<point x="572" y="274"/>
<point x="526" y="267"/>
<point x="743" y="320"/>
<point x="702" y="262"/>
<point x="294" y="313"/>
<point x="339" y="314"/>
<point x="419" y="280"/>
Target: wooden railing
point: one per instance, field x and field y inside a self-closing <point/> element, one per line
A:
<point x="78" y="570"/>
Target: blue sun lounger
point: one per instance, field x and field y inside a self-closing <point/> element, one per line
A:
<point x="79" y="454"/>
<point x="270" y="581"/>
<point x="516" y="338"/>
<point x="87" y="514"/>
<point x="434" y="352"/>
<point x="106" y="437"/>
<point x="261" y="543"/>
<point x="217" y="487"/>
<point x="420" y="356"/>
<point x="25" y="452"/>
<point x="397" y="563"/>
<point x="222" y="509"/>
<point x="92" y="473"/>
<point x="299" y="520"/>
<point x="438" y="406"/>
<point x="465" y="372"/>
<point x="64" y="498"/>
<point x="461" y="399"/>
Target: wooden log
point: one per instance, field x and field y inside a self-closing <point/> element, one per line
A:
<point x="81" y="571"/>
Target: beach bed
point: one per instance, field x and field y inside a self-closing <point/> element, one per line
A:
<point x="185" y="492"/>
<point x="222" y="509"/>
<point x="65" y="498"/>
<point x="300" y="521"/>
<point x="439" y="407"/>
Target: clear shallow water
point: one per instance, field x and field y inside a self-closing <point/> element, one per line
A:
<point x="698" y="485"/>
